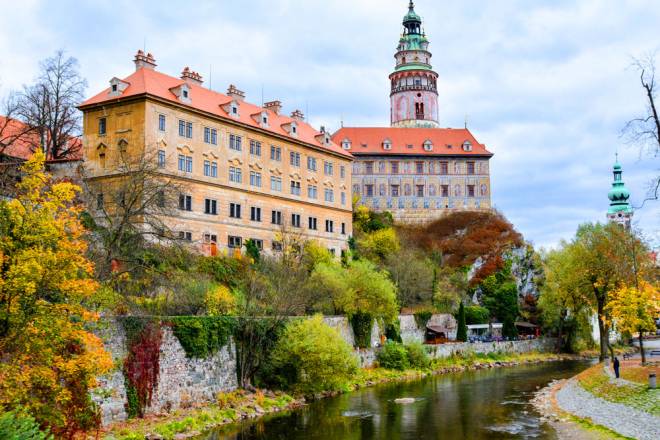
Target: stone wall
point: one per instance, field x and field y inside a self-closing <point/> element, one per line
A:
<point x="445" y="350"/>
<point x="410" y="332"/>
<point x="181" y="381"/>
<point x="366" y="356"/>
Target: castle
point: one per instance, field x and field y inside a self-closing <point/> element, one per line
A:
<point x="413" y="168"/>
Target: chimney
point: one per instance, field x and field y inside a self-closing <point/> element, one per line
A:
<point x="274" y="106"/>
<point x="235" y="93"/>
<point x="191" y="77"/>
<point x="147" y="61"/>
<point x="298" y="115"/>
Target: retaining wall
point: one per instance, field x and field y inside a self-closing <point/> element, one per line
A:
<point x="445" y="350"/>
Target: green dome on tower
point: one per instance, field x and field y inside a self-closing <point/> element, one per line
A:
<point x="618" y="194"/>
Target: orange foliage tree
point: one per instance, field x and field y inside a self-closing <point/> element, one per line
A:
<point x="49" y="360"/>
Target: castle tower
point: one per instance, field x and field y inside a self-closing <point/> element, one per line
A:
<point x="620" y="210"/>
<point x="414" y="94"/>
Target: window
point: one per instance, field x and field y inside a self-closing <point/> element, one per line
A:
<point x="258" y="243"/>
<point x="342" y="171"/>
<point x="114" y="87"/>
<point x="210" y="206"/>
<point x="343" y="229"/>
<point x="295" y="188"/>
<point x="161" y="122"/>
<point x="311" y="221"/>
<point x="343" y="198"/>
<point x="99" y="201"/>
<point x="210" y="238"/>
<point x="161" y="158"/>
<point x="444" y="190"/>
<point x="185" y="93"/>
<point x="185" y="235"/>
<point x="275" y="153"/>
<point x="182" y="162"/>
<point x="189" y="164"/>
<point x="255" y="179"/>
<point x="444" y="168"/>
<point x="185" y="202"/>
<point x="368" y="167"/>
<point x="329" y="195"/>
<point x="276" y="183"/>
<point x="419" y="190"/>
<point x="327" y="168"/>
<point x="160" y="199"/>
<point x="470" y="190"/>
<point x="470" y="167"/>
<point x="185" y="129"/>
<point x="235" y="142"/>
<point x="234" y="210"/>
<point x="312" y="191"/>
<point x="419" y="167"/>
<point x="102" y="126"/>
<point x="395" y="167"/>
<point x="210" y="135"/>
<point x="277" y="246"/>
<point x="255" y="214"/>
<point x="311" y="163"/>
<point x="234" y="242"/>
<point x="369" y="190"/>
<point x="295" y="220"/>
<point x="235" y="175"/>
<point x="212" y="170"/>
<point x="276" y="217"/>
<point x="329" y="225"/>
<point x="394" y="190"/>
<point x="295" y="159"/>
<point x="255" y="147"/>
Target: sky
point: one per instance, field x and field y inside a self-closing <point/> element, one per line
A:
<point x="546" y="85"/>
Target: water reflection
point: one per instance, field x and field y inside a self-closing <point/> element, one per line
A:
<point x="490" y="404"/>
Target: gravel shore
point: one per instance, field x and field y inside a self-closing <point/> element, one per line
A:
<point x="620" y="418"/>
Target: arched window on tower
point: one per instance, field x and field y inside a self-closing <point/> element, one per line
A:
<point x="403" y="60"/>
<point x="419" y="110"/>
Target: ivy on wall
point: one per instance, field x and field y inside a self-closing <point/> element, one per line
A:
<point x="422" y="318"/>
<point x="362" y="323"/>
<point x="202" y="336"/>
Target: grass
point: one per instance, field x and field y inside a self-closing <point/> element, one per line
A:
<point x="638" y="396"/>
<point x="637" y="373"/>
<point x="230" y="407"/>
<point x="603" y="431"/>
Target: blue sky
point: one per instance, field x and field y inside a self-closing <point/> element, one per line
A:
<point x="546" y="85"/>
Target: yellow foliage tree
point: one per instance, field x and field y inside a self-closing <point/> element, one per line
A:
<point x="633" y="310"/>
<point x="49" y="360"/>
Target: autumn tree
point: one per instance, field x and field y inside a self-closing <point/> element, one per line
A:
<point x="634" y="309"/>
<point x="49" y="360"/>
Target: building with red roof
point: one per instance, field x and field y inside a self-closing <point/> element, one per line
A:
<point x="413" y="168"/>
<point x="248" y="171"/>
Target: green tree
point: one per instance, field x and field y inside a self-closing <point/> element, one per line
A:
<point x="311" y="357"/>
<point x="252" y="250"/>
<point x="500" y="297"/>
<point x="378" y="245"/>
<point x="476" y="315"/>
<point x="413" y="274"/>
<point x="461" y="334"/>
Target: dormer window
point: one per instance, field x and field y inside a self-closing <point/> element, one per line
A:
<point x="117" y="86"/>
<point x="114" y="87"/>
<point x="467" y="146"/>
<point x="346" y="144"/>
<point x="428" y="145"/>
<point x="234" y="109"/>
<point x="182" y="92"/>
<point x="294" y="129"/>
<point x="387" y="144"/>
<point x="264" y="120"/>
<point x="185" y="93"/>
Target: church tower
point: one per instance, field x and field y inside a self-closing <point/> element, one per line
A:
<point x="414" y="94"/>
<point x="620" y="210"/>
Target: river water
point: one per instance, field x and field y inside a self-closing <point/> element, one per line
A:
<point x="484" y="404"/>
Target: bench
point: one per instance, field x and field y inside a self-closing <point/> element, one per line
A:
<point x="627" y="356"/>
<point x="654" y="353"/>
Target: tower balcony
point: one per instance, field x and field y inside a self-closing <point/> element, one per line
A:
<point x="405" y="88"/>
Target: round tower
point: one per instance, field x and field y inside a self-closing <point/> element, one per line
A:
<point x="620" y="210"/>
<point x="414" y="94"/>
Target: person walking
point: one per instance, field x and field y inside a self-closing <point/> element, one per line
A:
<point x="616" y="366"/>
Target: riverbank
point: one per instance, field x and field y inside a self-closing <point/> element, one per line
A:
<point x="615" y="408"/>
<point x="240" y="405"/>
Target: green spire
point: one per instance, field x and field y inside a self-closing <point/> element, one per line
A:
<point x="618" y="194"/>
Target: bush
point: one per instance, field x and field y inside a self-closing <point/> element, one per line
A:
<point x="417" y="355"/>
<point x="393" y="356"/>
<point x="476" y="315"/>
<point x="362" y="324"/>
<point x="16" y="426"/>
<point x="311" y="357"/>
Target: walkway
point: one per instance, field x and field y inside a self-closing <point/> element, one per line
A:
<point x="620" y="418"/>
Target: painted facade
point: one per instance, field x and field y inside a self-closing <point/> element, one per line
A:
<point x="248" y="172"/>
<point x="413" y="168"/>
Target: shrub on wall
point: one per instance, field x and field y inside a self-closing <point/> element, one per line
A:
<point x="422" y="318"/>
<point x="362" y="324"/>
<point x="311" y="357"/>
<point x="417" y="355"/>
<point x="201" y="336"/>
<point x="393" y="331"/>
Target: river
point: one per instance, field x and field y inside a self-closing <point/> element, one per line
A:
<point x="484" y="404"/>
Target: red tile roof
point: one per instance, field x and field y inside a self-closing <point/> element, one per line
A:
<point x="445" y="141"/>
<point x="19" y="141"/>
<point x="157" y="84"/>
